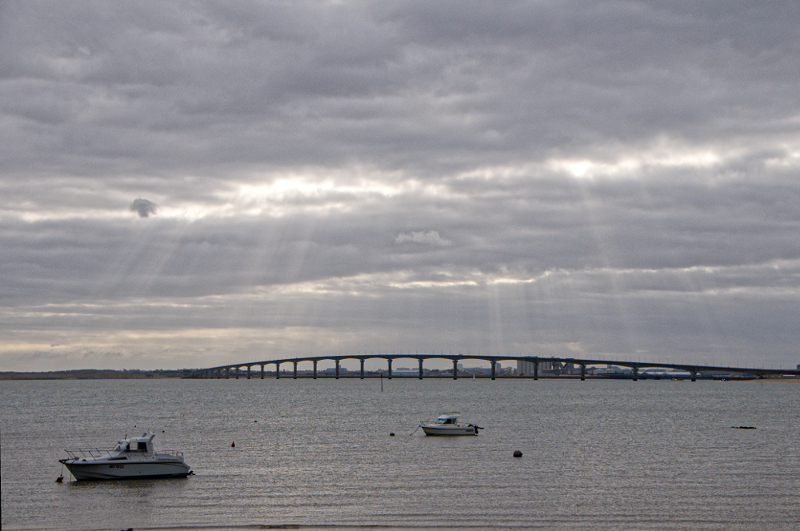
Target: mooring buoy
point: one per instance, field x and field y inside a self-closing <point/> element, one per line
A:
<point x="517" y="453"/>
<point x="233" y="444"/>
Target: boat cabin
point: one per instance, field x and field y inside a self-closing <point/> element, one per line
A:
<point x="447" y="419"/>
<point x="143" y="444"/>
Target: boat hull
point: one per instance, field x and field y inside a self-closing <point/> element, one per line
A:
<point x="128" y="470"/>
<point x="449" y="430"/>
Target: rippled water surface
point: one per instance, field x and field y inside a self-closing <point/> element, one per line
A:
<point x="318" y="454"/>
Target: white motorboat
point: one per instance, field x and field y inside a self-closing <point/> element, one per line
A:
<point x="130" y="458"/>
<point x="448" y="424"/>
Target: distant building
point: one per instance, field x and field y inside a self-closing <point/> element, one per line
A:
<point x="332" y="370"/>
<point x="477" y="370"/>
<point x="609" y="370"/>
<point x="526" y="367"/>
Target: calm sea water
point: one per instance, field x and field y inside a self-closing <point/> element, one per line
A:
<point x="612" y="455"/>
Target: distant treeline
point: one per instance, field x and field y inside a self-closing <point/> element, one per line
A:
<point x="95" y="374"/>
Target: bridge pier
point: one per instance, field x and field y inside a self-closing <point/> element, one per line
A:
<point x="455" y="369"/>
<point x="248" y="372"/>
<point x="494" y="363"/>
<point x="227" y="372"/>
<point x="295" y="370"/>
<point x="694" y="375"/>
<point x="337" y="369"/>
<point x="535" y="370"/>
<point x="635" y="373"/>
<point x="390" y="367"/>
<point x="262" y="371"/>
<point x="277" y="371"/>
<point x="315" y="369"/>
<point x="362" y="368"/>
<point x="420" y="368"/>
<point x="583" y="372"/>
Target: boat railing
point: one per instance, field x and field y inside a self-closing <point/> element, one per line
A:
<point x="81" y="453"/>
<point x="173" y="453"/>
<point x="78" y="453"/>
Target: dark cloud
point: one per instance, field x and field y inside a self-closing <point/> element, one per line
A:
<point x="143" y="207"/>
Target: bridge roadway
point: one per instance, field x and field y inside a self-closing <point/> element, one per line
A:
<point x="224" y="371"/>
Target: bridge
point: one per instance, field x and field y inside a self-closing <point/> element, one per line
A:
<point x="635" y="367"/>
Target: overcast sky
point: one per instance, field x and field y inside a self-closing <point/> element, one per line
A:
<point x="189" y="184"/>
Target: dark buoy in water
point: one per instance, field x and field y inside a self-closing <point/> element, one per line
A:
<point x="517" y="453"/>
<point x="233" y="444"/>
<point x="60" y="479"/>
<point x="391" y="434"/>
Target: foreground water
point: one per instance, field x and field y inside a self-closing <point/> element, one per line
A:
<point x="313" y="454"/>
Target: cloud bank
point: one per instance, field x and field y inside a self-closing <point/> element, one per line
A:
<point x="589" y="178"/>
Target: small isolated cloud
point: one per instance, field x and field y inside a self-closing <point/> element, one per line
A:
<point x="143" y="207"/>
<point x="431" y="238"/>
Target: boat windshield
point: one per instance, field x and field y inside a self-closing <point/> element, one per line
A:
<point x="446" y="420"/>
<point x="127" y="446"/>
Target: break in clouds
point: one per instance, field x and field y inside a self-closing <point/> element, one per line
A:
<point x="430" y="238"/>
<point x="564" y="178"/>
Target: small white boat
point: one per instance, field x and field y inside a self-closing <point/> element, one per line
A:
<point x="448" y="424"/>
<point x="130" y="458"/>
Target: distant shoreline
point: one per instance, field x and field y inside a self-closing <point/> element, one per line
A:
<point x="95" y="374"/>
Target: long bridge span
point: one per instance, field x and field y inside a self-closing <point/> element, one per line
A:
<point x="636" y="367"/>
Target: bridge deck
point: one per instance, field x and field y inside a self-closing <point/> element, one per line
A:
<point x="635" y="367"/>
